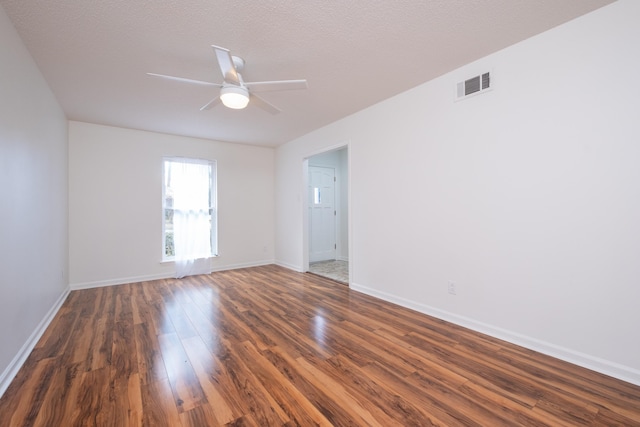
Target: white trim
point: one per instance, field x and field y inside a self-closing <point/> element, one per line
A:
<point x="607" y="367"/>
<point x="121" y="281"/>
<point x="167" y="275"/>
<point x="350" y="227"/>
<point x="12" y="370"/>
<point x="305" y="216"/>
<point x="296" y="268"/>
<point x="243" y="265"/>
<point x="343" y="258"/>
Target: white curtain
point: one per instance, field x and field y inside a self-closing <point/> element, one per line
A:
<point x="191" y="224"/>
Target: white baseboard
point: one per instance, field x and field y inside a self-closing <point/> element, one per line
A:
<point x="295" y="268"/>
<point x="607" y="367"/>
<point x="12" y="370"/>
<point x="343" y="258"/>
<point x="168" y="275"/>
<point x="120" y="281"/>
<point x="243" y="265"/>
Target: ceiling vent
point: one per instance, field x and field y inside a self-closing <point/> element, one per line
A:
<point x="474" y="85"/>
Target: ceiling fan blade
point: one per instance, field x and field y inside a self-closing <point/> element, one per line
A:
<point x="215" y="101"/>
<point x="277" y="85"/>
<point x="226" y="65"/>
<point x="183" y="80"/>
<point x="262" y="103"/>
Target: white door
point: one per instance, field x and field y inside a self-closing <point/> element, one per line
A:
<point x="322" y="214"/>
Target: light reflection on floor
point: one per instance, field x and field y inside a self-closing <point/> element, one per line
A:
<point x="319" y="330"/>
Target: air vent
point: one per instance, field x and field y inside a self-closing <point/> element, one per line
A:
<point x="473" y="85"/>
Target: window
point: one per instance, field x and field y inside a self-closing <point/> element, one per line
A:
<point x="189" y="208"/>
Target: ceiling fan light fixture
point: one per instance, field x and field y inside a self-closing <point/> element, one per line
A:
<point x="236" y="97"/>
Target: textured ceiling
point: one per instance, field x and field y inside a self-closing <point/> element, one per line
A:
<point x="95" y="55"/>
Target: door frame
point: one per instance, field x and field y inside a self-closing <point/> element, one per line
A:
<point x="305" y="204"/>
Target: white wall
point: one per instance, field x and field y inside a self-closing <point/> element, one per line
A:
<point x="527" y="197"/>
<point x="115" y="203"/>
<point x="33" y="210"/>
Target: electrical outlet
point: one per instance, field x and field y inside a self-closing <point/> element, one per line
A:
<point x="451" y="288"/>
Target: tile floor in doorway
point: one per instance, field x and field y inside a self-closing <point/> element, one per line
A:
<point x="333" y="269"/>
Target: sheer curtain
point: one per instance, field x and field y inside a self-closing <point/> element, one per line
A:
<point x="191" y="218"/>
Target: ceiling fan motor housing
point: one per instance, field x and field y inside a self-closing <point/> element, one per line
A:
<point x="237" y="62"/>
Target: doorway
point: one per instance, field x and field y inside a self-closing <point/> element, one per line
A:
<point x="327" y="207"/>
<point x="322" y="214"/>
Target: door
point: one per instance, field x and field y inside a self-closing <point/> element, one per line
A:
<point x="322" y="214"/>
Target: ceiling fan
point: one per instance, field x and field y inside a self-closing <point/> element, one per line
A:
<point x="234" y="92"/>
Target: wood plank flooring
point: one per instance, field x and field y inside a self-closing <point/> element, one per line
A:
<point x="269" y="347"/>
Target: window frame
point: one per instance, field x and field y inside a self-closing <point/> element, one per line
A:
<point x="213" y="207"/>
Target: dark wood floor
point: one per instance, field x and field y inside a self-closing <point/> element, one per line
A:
<point x="269" y="347"/>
